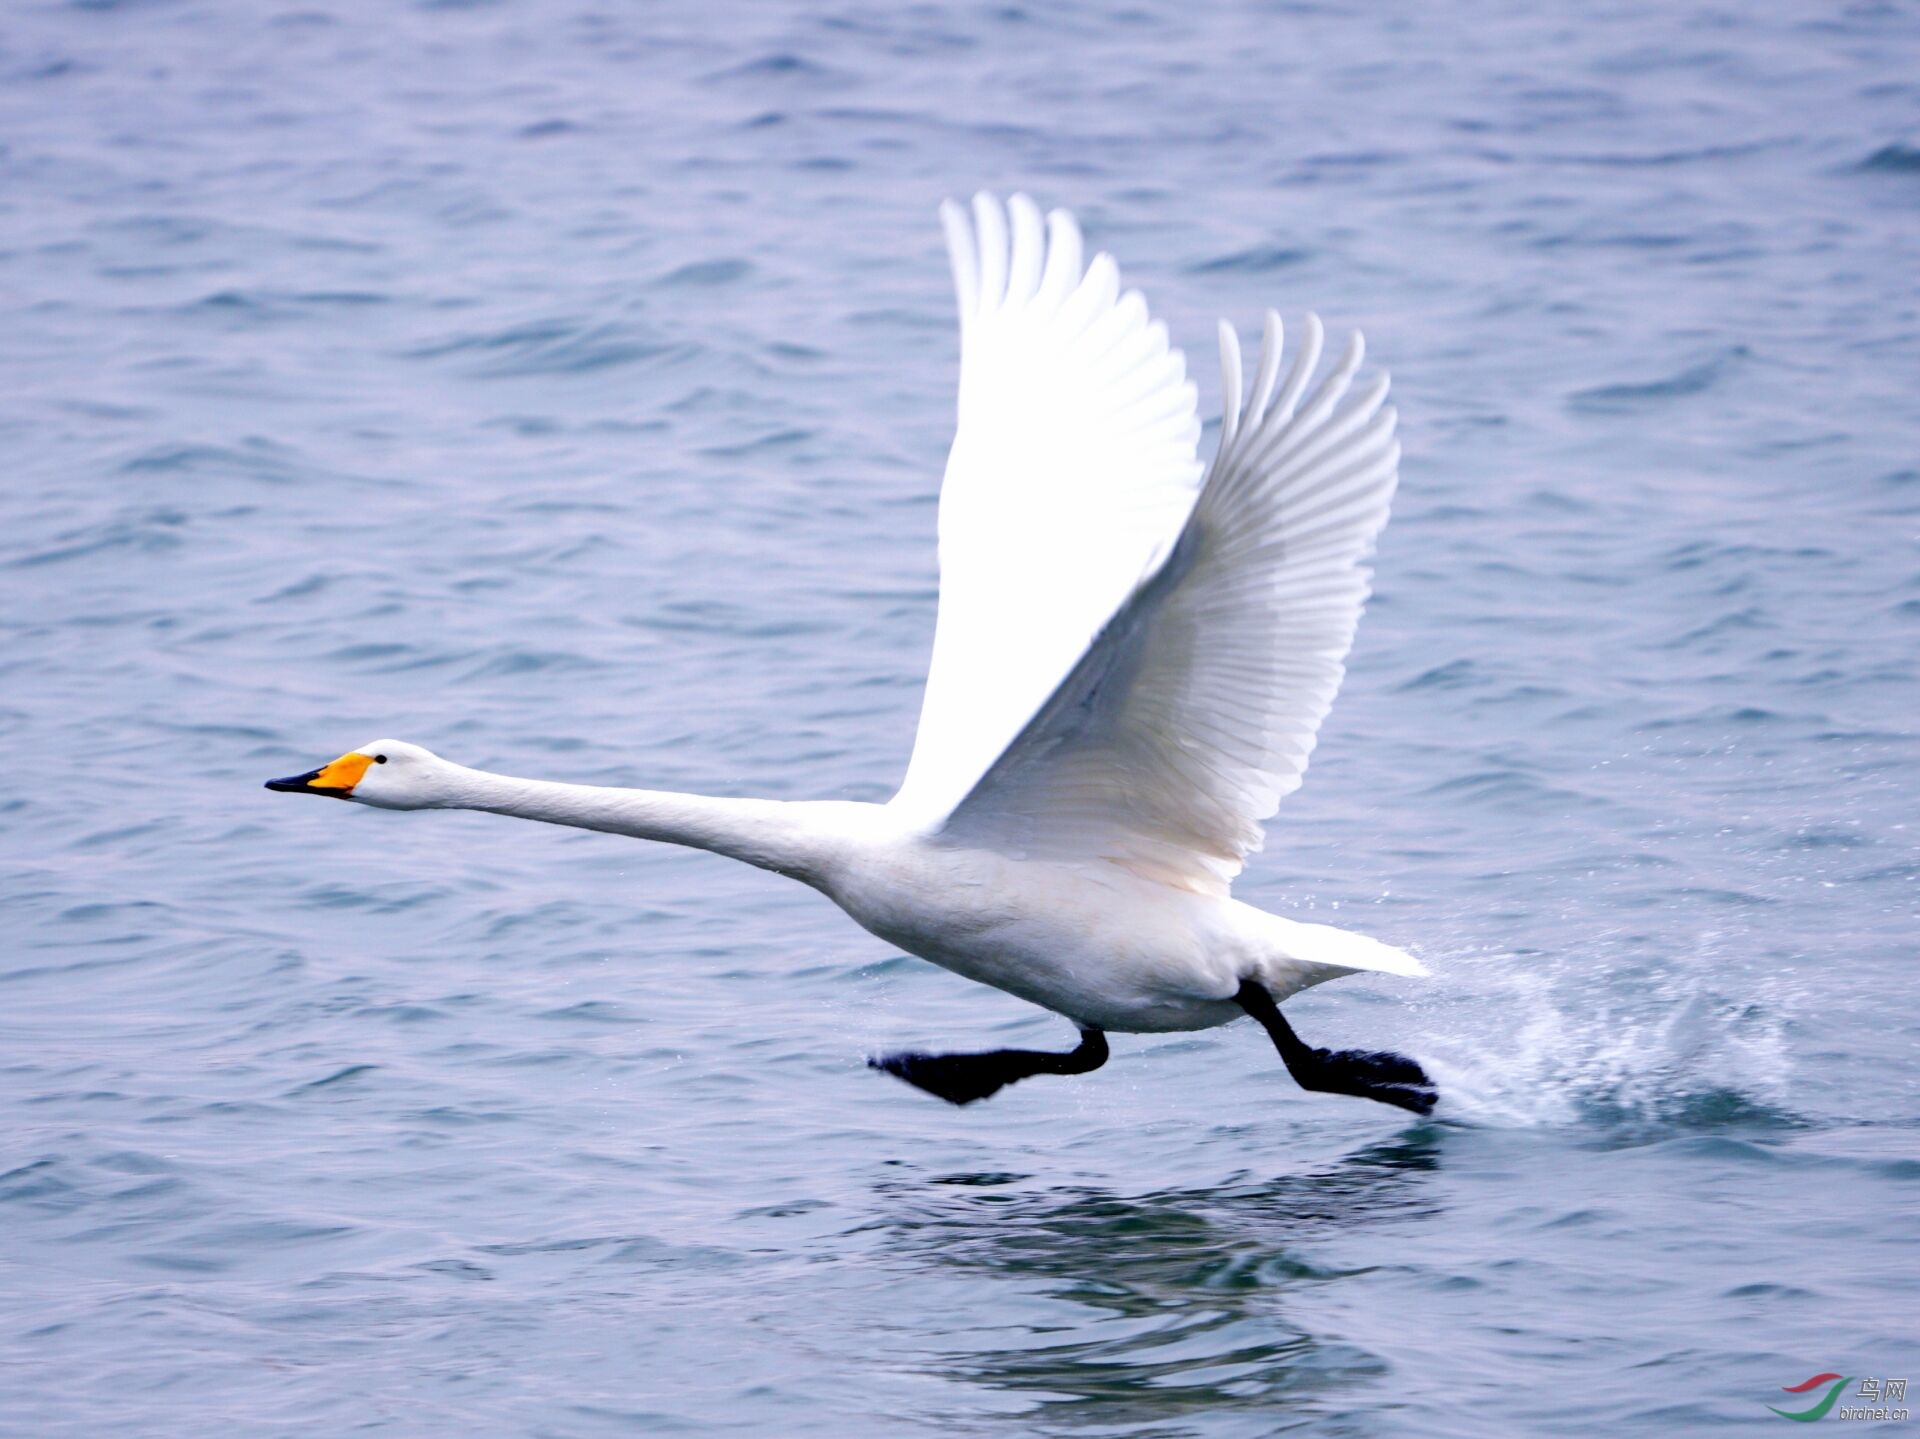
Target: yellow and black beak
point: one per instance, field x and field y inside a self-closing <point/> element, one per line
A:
<point x="336" y="779"/>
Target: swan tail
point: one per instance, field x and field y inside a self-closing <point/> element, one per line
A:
<point x="1341" y="949"/>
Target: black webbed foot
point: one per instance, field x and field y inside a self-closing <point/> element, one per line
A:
<point x="956" y="1078"/>
<point x="1376" y="1074"/>
<point x="1371" y="1074"/>
<point x="963" y="1078"/>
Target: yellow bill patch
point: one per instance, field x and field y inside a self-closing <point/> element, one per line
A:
<point x="343" y="774"/>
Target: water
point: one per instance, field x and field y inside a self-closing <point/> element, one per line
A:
<point x="565" y="388"/>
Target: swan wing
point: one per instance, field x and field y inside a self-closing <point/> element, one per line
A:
<point x="1074" y="464"/>
<point x="1193" y="712"/>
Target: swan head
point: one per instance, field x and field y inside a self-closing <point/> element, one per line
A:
<point x="385" y="773"/>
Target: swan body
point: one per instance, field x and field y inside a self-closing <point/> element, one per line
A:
<point x="1132" y="657"/>
<point x="1093" y="942"/>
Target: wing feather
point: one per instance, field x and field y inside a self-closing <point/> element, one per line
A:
<point x="1194" y="711"/>
<point x="1074" y="466"/>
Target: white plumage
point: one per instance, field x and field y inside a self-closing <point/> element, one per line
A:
<point x="1072" y="467"/>
<point x="1131" y="661"/>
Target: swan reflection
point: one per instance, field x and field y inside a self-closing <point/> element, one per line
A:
<point x="1153" y="1306"/>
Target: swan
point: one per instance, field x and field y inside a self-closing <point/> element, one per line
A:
<point x="1132" y="656"/>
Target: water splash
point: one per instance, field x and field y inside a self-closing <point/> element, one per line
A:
<point x="1568" y="1044"/>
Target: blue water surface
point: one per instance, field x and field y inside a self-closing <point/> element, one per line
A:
<point x="565" y="386"/>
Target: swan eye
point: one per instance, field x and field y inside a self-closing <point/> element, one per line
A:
<point x="379" y="759"/>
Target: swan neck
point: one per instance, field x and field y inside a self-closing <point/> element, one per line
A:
<point x="771" y="834"/>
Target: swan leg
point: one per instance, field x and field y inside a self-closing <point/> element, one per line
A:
<point x="963" y="1078"/>
<point x="1364" y="1073"/>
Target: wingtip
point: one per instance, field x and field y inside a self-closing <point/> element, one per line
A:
<point x="1231" y="385"/>
<point x="1272" y="342"/>
<point x="992" y="245"/>
<point x="963" y="257"/>
<point x="1103" y="279"/>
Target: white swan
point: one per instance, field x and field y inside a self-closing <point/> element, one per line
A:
<point x="1130" y="664"/>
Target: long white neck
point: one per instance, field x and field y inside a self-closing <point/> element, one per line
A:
<point x="801" y="839"/>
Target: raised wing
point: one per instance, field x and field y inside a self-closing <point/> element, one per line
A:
<point x="1073" y="467"/>
<point x="1193" y="713"/>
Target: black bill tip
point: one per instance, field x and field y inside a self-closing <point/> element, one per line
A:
<point x="297" y="783"/>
